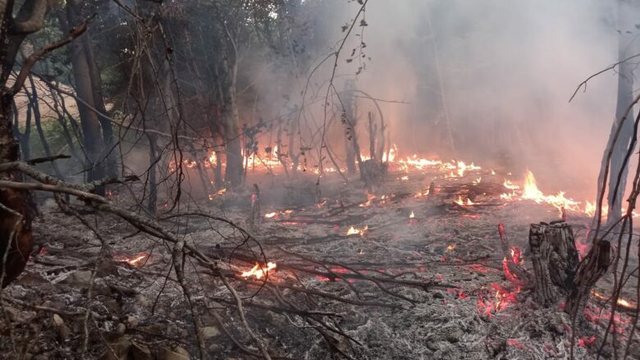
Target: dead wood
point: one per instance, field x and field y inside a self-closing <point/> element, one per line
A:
<point x="588" y="272"/>
<point x="555" y="260"/>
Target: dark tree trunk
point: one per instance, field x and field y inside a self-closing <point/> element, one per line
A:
<point x="152" y="201"/>
<point x="231" y="125"/>
<point x="16" y="239"/>
<point x="92" y="137"/>
<point x="111" y="156"/>
<point x="16" y="208"/>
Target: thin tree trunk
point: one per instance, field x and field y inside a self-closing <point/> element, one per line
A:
<point x="35" y="104"/>
<point x="152" y="200"/>
<point x="620" y="170"/>
<point x="24" y="137"/>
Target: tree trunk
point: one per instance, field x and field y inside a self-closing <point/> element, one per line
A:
<point x="231" y="124"/>
<point x="619" y="169"/>
<point x="152" y="201"/>
<point x="349" y="120"/>
<point x="16" y="208"/>
<point x="92" y="138"/>
<point x="111" y="165"/>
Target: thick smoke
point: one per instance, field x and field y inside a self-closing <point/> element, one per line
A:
<point x="500" y="73"/>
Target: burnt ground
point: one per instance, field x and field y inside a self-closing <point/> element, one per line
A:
<point x="443" y="293"/>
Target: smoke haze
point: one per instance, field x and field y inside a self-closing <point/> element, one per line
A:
<point x="501" y="73"/>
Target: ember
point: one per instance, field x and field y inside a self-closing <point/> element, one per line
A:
<point x="502" y="299"/>
<point x="586" y="341"/>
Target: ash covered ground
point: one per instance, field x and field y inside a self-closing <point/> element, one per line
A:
<point x="441" y="294"/>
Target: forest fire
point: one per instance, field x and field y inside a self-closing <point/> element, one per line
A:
<point x="196" y="179"/>
<point x="259" y="271"/>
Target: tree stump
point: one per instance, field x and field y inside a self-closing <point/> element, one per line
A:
<point x="555" y="260"/>
<point x="594" y="265"/>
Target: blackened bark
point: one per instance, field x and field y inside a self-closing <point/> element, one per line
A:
<point x="555" y="260"/>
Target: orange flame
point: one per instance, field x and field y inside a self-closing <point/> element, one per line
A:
<point x="559" y="201"/>
<point x="135" y="261"/>
<point x="259" y="271"/>
<point x="355" y="231"/>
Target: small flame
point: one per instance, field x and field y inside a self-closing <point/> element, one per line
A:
<point x="370" y="198"/>
<point x="271" y="215"/>
<point x="355" y="231"/>
<point x="509" y="185"/>
<point x="217" y="193"/>
<point x="462" y="202"/>
<point x="622" y="302"/>
<point x="462" y="167"/>
<point x="212" y="158"/>
<point x="135" y="261"/>
<point x="412" y="215"/>
<point x="259" y="271"/>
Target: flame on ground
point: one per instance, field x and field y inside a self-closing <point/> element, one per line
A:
<point x="355" y="231"/>
<point x="559" y="201"/>
<point x="502" y="299"/>
<point x="412" y="215"/>
<point x="621" y="302"/>
<point x="135" y="260"/>
<point x="259" y="271"/>
<point x="370" y="198"/>
<point x="217" y="193"/>
<point x="462" y="202"/>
